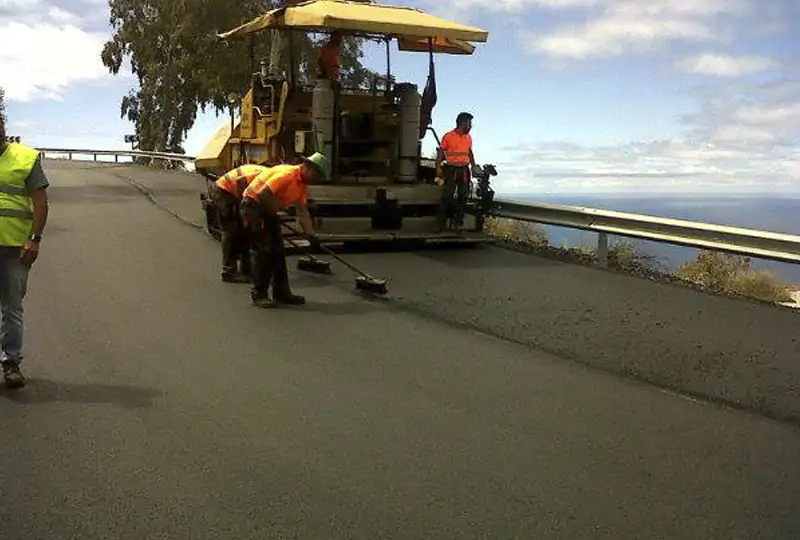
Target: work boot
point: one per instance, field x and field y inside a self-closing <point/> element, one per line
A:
<point x="235" y="278"/>
<point x="291" y="299"/>
<point x="264" y="302"/>
<point x="12" y="375"/>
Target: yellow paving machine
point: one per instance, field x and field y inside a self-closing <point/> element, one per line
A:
<point x="380" y="187"/>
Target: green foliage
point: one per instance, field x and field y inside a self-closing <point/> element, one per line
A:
<point x="726" y="273"/>
<point x="517" y="232"/>
<point x="182" y="67"/>
<point x="2" y="106"/>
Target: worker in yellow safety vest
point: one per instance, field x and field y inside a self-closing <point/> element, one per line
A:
<point x="23" y="214"/>
<point x="226" y="194"/>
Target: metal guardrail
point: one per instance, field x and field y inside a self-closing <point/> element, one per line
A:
<point x="749" y="242"/>
<point x="116" y="153"/>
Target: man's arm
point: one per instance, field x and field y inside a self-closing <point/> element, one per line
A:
<point x="471" y="158"/>
<point x="304" y="219"/>
<point x="440" y="153"/>
<point x="41" y="208"/>
<point x="37" y="184"/>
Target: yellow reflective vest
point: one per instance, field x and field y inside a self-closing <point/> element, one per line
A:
<point x="16" y="205"/>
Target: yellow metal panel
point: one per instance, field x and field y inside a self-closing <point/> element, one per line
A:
<point x="246" y="131"/>
<point x="216" y="145"/>
<point x="349" y="16"/>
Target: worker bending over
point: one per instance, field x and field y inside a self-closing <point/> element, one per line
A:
<point x="275" y="189"/>
<point x="226" y="194"/>
<point x="453" y="163"/>
<point x="328" y="61"/>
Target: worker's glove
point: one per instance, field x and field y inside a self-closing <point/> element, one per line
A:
<point x="314" y="242"/>
<point x="477" y="171"/>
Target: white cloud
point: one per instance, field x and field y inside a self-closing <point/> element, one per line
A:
<point x="46" y="48"/>
<point x="744" y="140"/>
<point x="621" y="26"/>
<point x="722" y="65"/>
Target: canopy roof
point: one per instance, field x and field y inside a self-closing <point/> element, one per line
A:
<point x="440" y="45"/>
<point x="410" y="26"/>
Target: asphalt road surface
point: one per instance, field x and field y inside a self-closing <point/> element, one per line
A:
<point x="161" y="405"/>
<point x="734" y="351"/>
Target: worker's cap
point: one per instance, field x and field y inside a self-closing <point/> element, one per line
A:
<point x="321" y="163"/>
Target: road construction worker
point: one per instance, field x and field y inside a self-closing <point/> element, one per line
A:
<point x="453" y="164"/>
<point x="226" y="194"/>
<point x="23" y="215"/>
<point x="275" y="189"/>
<point x="328" y="60"/>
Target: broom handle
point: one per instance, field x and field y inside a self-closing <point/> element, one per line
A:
<point x="331" y="253"/>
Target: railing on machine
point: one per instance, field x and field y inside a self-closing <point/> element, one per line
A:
<point x="749" y="242"/>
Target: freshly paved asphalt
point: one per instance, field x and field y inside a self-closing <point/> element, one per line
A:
<point x="161" y="405"/>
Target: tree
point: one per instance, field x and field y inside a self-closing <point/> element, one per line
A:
<point x="183" y="68"/>
<point x="2" y="106"/>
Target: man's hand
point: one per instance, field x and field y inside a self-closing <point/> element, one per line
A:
<point x="29" y="253"/>
<point x="314" y="242"/>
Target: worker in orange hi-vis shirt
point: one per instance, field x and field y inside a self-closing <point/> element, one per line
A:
<point x="453" y="164"/>
<point x="273" y="190"/>
<point x="226" y="194"/>
<point x="328" y="60"/>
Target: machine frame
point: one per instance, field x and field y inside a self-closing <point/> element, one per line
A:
<point x="380" y="188"/>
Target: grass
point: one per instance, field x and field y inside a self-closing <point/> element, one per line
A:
<point x="712" y="271"/>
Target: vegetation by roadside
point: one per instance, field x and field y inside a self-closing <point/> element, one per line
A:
<point x="711" y="271"/>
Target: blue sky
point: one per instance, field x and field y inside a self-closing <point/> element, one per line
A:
<point x="569" y="96"/>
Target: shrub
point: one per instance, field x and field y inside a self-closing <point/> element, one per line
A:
<point x="726" y="273"/>
<point x="517" y="232"/>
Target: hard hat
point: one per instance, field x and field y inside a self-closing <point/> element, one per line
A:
<point x="321" y="163"/>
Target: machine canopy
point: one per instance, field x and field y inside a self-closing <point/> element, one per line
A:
<point x="412" y="27"/>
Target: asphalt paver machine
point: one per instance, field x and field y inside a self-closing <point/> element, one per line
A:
<point x="381" y="188"/>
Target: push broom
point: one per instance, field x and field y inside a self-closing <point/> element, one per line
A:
<point x="363" y="283"/>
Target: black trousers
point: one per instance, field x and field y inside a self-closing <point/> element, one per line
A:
<point x="234" y="236"/>
<point x="456" y="181"/>
<point x="267" y="254"/>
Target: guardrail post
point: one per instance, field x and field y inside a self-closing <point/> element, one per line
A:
<point x="116" y="158"/>
<point x="69" y="156"/>
<point x="602" y="250"/>
<point x="95" y="157"/>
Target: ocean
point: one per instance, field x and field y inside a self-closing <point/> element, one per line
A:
<point x="768" y="213"/>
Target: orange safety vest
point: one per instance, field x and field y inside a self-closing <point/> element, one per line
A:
<point x="329" y="56"/>
<point x="284" y="181"/>
<point x="456" y="148"/>
<point x="235" y="181"/>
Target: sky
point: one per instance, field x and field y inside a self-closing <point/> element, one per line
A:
<point x="642" y="97"/>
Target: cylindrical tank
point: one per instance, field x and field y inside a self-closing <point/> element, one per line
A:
<point x="322" y="116"/>
<point x="410" y="104"/>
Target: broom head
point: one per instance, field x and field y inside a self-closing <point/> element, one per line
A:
<point x="371" y="285"/>
<point x="314" y="265"/>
